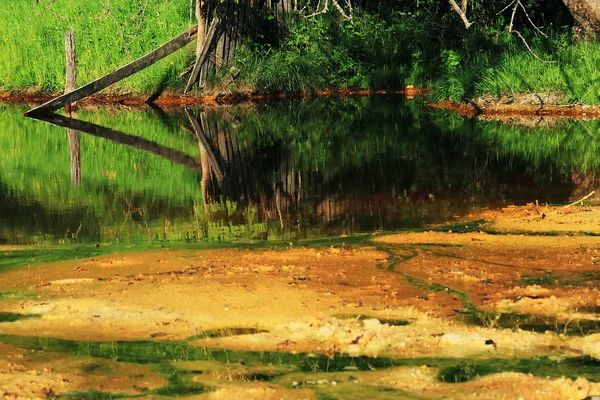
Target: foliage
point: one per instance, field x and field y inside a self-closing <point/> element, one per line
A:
<point x="385" y="45"/>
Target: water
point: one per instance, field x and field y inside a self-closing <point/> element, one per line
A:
<point x="295" y="169"/>
<point x="281" y="170"/>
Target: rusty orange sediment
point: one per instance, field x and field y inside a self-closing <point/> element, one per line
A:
<point x="468" y="109"/>
<point x="174" y="99"/>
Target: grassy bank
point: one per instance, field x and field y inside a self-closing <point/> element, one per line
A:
<point x="392" y="48"/>
<point x="32" y="38"/>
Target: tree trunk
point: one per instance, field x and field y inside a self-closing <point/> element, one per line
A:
<point x="201" y="16"/>
<point x="587" y="15"/>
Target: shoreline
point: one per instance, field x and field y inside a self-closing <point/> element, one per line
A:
<point x="174" y="99"/>
<point x="490" y="107"/>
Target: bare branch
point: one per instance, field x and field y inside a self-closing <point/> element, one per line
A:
<point x="530" y="21"/>
<point x="529" y="48"/>
<point x="347" y="15"/>
<point x="512" y="17"/>
<point x="460" y="12"/>
<point x="506" y="8"/>
<point x="517" y="3"/>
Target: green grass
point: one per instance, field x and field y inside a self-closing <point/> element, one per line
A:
<point x="32" y="38"/>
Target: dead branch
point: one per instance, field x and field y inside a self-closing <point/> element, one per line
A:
<point x="580" y="200"/>
<point x="531" y="22"/>
<point x="461" y="13"/>
<point x="346" y="14"/>
<point x="517" y="4"/>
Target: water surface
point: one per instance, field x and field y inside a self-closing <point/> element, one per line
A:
<point x="281" y="170"/>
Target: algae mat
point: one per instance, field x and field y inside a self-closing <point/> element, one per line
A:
<point x="470" y="310"/>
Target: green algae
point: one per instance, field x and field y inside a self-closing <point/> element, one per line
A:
<point x="94" y="395"/>
<point x="13" y="317"/>
<point x="466" y="370"/>
<point x="163" y="353"/>
<point x="226" y="332"/>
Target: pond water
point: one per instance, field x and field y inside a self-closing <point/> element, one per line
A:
<point x="270" y="173"/>
<point x="284" y="170"/>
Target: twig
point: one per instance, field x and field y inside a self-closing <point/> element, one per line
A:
<point x="586" y="93"/>
<point x="530" y="50"/>
<point x="506" y="8"/>
<point x="516" y="4"/>
<point x="580" y="200"/>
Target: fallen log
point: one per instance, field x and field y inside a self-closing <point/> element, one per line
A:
<point x="127" y="70"/>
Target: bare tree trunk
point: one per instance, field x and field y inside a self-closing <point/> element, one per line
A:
<point x="587" y="15"/>
<point x="201" y="17"/>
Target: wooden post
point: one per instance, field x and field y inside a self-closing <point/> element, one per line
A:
<point x="75" y="155"/>
<point x="71" y="78"/>
<point x="127" y="70"/>
<point x="70" y="85"/>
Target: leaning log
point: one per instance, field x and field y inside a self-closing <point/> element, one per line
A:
<point x="101" y="83"/>
<point x="201" y="57"/>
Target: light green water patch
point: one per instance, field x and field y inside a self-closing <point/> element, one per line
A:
<point x="46" y="254"/>
<point x="227" y="332"/>
<point x="531" y="322"/>
<point x="165" y="353"/>
<point x="568" y="279"/>
<point x="545" y="279"/>
<point x="454" y="370"/>
<point x="21" y="295"/>
<point x="586" y="367"/>
<point x="12" y="317"/>
<point x="50" y="253"/>
<point x="95" y="395"/>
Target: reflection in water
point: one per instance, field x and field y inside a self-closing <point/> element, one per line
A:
<point x="279" y="170"/>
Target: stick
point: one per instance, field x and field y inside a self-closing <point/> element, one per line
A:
<point x="580" y="200"/>
<point x="71" y="62"/>
<point x="127" y="70"/>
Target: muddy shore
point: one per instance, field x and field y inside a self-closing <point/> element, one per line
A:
<point x="508" y="292"/>
<point x="170" y="99"/>
<point x="505" y="108"/>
